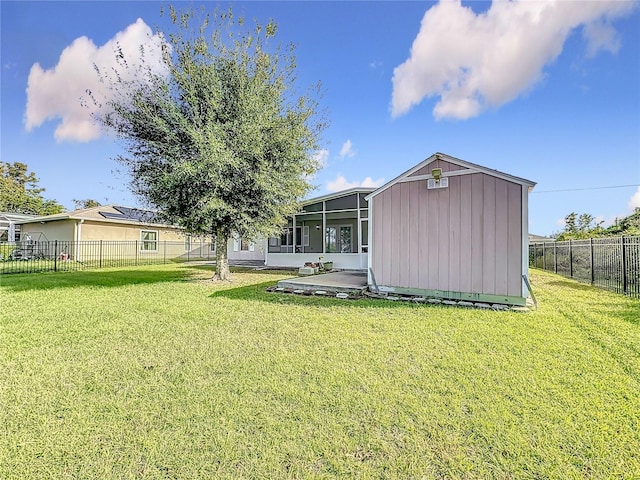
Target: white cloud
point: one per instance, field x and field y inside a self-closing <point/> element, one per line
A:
<point x="370" y="182"/>
<point x="477" y="61"/>
<point x="321" y="157"/>
<point x="347" y="150"/>
<point x="341" y="183"/>
<point x="634" y="201"/>
<point x="56" y="93"/>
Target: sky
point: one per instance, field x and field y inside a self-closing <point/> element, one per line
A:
<point x="544" y="90"/>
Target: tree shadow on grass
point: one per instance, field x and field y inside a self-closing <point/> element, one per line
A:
<point x="96" y="278"/>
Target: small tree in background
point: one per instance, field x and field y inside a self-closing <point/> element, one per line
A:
<point x="19" y="192"/>
<point x="221" y="145"/>
<point x="578" y="227"/>
<point x="86" y="203"/>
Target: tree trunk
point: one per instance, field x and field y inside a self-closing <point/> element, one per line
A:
<point x="222" y="259"/>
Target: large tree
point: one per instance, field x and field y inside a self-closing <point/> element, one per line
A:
<point x="20" y="193"/>
<point x="219" y="141"/>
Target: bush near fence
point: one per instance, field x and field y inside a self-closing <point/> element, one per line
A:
<point x="53" y="256"/>
<point x="611" y="263"/>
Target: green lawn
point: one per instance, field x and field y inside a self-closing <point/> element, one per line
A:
<point x="156" y="372"/>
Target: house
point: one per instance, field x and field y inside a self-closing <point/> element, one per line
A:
<point x="334" y="228"/>
<point x="445" y="228"/>
<point x="10" y="225"/>
<point x="124" y="231"/>
<point x="452" y="229"/>
<point x="119" y="231"/>
<point x="540" y="238"/>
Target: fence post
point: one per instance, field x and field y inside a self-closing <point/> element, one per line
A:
<point x="623" y="260"/>
<point x="136" y="245"/>
<point x="544" y="256"/>
<point x="555" y="257"/>
<point x="570" y="259"/>
<point x="55" y="256"/>
<point x="100" y="255"/>
<point x="593" y="277"/>
<point x="164" y="256"/>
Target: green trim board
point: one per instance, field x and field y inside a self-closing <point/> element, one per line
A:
<point x="444" y="294"/>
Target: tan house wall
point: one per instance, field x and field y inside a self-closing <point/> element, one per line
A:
<point x="464" y="238"/>
<point x="62" y="230"/>
<point x="125" y="232"/>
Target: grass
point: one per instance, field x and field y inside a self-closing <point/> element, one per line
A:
<point x="157" y="372"/>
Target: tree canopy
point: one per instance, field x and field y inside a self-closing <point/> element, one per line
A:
<point x="20" y="193"/>
<point x="85" y="203"/>
<point x="583" y="226"/>
<point x="629" y="225"/>
<point x="220" y="143"/>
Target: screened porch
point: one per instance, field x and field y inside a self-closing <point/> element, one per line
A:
<point x="334" y="227"/>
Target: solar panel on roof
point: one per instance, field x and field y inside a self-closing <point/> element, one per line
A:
<point x="114" y="216"/>
<point x="133" y="214"/>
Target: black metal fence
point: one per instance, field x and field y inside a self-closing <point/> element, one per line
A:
<point x="54" y="256"/>
<point x="611" y="263"/>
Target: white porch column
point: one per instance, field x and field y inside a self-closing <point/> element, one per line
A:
<point x="293" y="235"/>
<point x="359" y="224"/>
<point x="324" y="228"/>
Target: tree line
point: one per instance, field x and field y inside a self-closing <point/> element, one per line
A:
<point x="584" y="225"/>
<point x="20" y="193"/>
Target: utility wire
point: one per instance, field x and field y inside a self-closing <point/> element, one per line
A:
<point x="588" y="188"/>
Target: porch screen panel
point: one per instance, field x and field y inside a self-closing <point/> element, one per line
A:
<point x="350" y="202"/>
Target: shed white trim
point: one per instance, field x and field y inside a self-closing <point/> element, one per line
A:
<point x="455" y="161"/>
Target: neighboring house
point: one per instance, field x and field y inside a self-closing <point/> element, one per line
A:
<point x="139" y="227"/>
<point x="108" y="222"/>
<point x="333" y="227"/>
<point x="452" y="229"/>
<point x="540" y="238"/>
<point x="80" y="232"/>
<point x="10" y="225"/>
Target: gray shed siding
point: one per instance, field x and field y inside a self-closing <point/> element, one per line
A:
<point x="464" y="238"/>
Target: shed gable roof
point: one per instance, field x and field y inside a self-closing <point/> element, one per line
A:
<point x="456" y="161"/>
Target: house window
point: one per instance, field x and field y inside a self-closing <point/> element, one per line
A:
<point x="338" y="239"/>
<point x="242" y="244"/>
<point x="148" y="240"/>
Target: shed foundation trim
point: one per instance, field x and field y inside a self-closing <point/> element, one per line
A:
<point x="443" y="294"/>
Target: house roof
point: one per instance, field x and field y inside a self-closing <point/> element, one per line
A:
<point x="340" y="194"/>
<point x="105" y="213"/>
<point x="456" y="161"/>
<point x="15" y="217"/>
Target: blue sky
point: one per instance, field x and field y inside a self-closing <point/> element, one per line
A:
<point x="542" y="90"/>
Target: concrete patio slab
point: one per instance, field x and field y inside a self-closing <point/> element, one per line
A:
<point x="345" y="281"/>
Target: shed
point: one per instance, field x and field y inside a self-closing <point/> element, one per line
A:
<point x="451" y="229"/>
